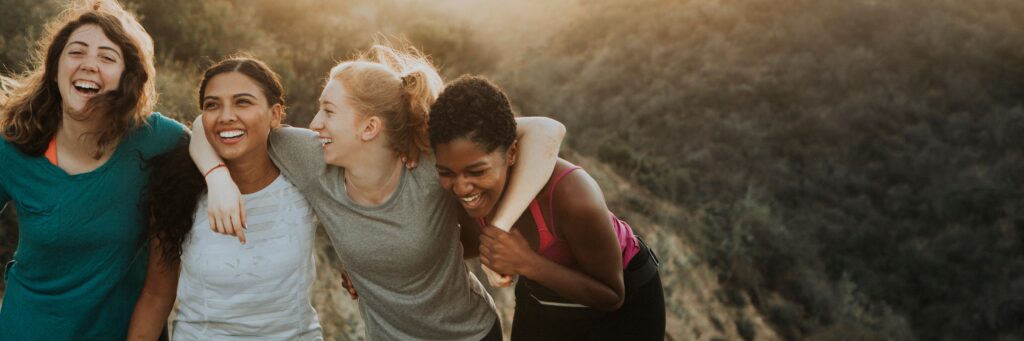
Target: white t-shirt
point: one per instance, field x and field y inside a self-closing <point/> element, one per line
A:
<point x="260" y="290"/>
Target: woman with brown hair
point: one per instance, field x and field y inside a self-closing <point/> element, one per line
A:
<point x="259" y="289"/>
<point x="76" y="131"/>
<point x="393" y="228"/>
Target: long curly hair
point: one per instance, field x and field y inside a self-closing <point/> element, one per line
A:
<point x="170" y="199"/>
<point x="31" y="104"/>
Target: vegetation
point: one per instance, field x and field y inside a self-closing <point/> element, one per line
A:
<point x="861" y="159"/>
<point x="851" y="167"/>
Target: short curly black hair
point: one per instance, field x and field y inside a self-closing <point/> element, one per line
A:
<point x="474" y="108"/>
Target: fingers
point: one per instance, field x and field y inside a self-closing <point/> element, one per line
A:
<point x="241" y="210"/>
<point x="497" y="280"/>
<point x="236" y="222"/>
<point x="346" y="282"/>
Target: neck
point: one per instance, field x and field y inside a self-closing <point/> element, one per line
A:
<point x="252" y="174"/>
<point x="79" y="136"/>
<point x="375" y="177"/>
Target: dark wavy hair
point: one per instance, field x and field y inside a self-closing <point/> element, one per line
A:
<point x="33" y="108"/>
<point x="170" y="199"/>
<point x="474" y="108"/>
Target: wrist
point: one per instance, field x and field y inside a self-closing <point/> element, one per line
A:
<point x="217" y="175"/>
<point x="212" y="169"/>
<point x="529" y="265"/>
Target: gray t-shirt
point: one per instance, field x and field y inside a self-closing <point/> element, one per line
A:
<point x="404" y="256"/>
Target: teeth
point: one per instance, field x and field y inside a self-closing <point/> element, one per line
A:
<point x="231" y="133"/>
<point x="470" y="198"/>
<point x="325" y="141"/>
<point x="87" y="85"/>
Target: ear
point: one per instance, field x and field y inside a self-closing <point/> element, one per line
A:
<point x="276" y="115"/>
<point x="512" y="153"/>
<point x="370" y="128"/>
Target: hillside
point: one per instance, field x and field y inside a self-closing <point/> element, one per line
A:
<point x="698" y="307"/>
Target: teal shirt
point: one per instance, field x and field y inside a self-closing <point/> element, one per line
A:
<point x="80" y="262"/>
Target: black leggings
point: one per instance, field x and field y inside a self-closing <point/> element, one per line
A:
<point x="641" y="317"/>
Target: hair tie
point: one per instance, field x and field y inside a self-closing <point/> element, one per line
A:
<point x="408" y="80"/>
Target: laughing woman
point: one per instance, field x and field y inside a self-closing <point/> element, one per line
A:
<point x="226" y="289"/>
<point x="393" y="228"/>
<point x="76" y="131"/>
<point x="583" y="273"/>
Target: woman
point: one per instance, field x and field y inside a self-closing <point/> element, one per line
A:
<point x="393" y="228"/>
<point x="583" y="273"/>
<point x="75" y="133"/>
<point x="226" y="290"/>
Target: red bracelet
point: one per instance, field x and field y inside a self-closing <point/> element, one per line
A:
<point x="219" y="165"/>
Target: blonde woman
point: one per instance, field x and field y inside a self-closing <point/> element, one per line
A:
<point x="395" y="229"/>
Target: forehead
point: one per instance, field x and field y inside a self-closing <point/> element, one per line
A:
<point x="334" y="92"/>
<point x="461" y="152"/>
<point x="93" y="36"/>
<point x="232" y="83"/>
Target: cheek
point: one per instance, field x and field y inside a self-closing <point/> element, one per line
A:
<point x="209" y="120"/>
<point x="446" y="183"/>
<point x="113" y="77"/>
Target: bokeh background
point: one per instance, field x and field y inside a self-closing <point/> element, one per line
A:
<point x="805" y="169"/>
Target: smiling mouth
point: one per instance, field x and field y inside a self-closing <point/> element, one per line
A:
<point x="231" y="135"/>
<point x="87" y="88"/>
<point x="325" y="141"/>
<point x="472" y="201"/>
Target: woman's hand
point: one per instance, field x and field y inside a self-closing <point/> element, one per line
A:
<point x="505" y="252"/>
<point x="225" y="207"/>
<point x="346" y="282"/>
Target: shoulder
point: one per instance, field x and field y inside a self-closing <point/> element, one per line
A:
<point x="158" y="124"/>
<point x="576" y="193"/>
<point x="287" y="142"/>
<point x="159" y="134"/>
<point x="290" y="135"/>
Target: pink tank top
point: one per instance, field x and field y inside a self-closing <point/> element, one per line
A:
<point x="557" y="250"/>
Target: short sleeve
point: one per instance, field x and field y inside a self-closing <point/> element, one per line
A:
<point x="159" y="135"/>
<point x="298" y="154"/>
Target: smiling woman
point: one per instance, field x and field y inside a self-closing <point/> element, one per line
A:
<point x="261" y="286"/>
<point x="78" y="266"/>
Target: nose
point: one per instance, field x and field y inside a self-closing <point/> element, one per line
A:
<point x="462" y="186"/>
<point x="226" y="115"/>
<point x="318" y="121"/>
<point x="89" y="64"/>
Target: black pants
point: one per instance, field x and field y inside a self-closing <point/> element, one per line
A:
<point x="641" y="317"/>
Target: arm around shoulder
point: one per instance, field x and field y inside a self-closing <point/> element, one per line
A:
<point x="539" y="140"/>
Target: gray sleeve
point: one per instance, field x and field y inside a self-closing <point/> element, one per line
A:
<point x="298" y="154"/>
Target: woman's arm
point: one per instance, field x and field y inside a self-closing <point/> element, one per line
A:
<point x="582" y="218"/>
<point x="539" y="140"/>
<point x="157" y="297"/>
<point x="225" y="207"/>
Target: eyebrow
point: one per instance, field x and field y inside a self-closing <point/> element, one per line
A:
<point x="111" y="49"/>
<point x="244" y="94"/>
